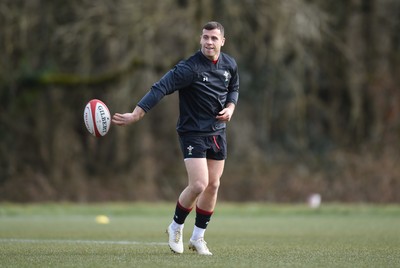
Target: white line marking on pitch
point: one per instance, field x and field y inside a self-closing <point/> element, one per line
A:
<point x="105" y="242"/>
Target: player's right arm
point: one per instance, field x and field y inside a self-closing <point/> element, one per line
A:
<point x="178" y="77"/>
<point x="128" y="118"/>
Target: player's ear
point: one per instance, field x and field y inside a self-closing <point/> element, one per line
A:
<point x="223" y="41"/>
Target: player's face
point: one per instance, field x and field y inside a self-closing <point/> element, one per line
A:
<point x="211" y="42"/>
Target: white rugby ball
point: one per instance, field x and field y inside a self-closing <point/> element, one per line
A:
<point x="97" y="118"/>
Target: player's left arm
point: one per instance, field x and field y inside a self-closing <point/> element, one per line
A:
<point x="232" y="98"/>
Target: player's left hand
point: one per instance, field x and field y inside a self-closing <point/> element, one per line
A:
<point x="225" y="115"/>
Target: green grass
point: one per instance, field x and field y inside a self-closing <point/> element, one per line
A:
<point x="240" y="235"/>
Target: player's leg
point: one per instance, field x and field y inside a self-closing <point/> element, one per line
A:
<point x="197" y="171"/>
<point x="205" y="206"/>
<point x="198" y="181"/>
<point x="208" y="197"/>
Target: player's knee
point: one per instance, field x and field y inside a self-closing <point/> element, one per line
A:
<point x="213" y="185"/>
<point x="198" y="187"/>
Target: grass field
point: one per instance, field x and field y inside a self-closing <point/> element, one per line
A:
<point x="240" y="235"/>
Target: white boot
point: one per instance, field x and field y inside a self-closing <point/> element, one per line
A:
<point x="175" y="236"/>
<point x="200" y="246"/>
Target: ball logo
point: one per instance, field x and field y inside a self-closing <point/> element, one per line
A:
<point x="97" y="118"/>
<point x="103" y="118"/>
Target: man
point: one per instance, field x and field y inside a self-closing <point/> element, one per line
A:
<point x="208" y="85"/>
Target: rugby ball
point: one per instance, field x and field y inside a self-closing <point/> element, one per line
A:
<point x="97" y="118"/>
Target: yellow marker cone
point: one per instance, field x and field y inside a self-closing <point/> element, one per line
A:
<point x="102" y="219"/>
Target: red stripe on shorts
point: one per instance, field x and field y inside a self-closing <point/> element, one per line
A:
<point x="216" y="144"/>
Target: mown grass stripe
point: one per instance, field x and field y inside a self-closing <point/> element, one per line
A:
<point x="97" y="242"/>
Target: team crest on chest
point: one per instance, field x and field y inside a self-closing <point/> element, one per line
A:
<point x="227" y="77"/>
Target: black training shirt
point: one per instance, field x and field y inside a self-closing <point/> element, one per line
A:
<point x="204" y="90"/>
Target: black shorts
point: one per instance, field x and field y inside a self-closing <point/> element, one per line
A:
<point x="210" y="147"/>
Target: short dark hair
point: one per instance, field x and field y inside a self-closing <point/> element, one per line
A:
<point x="214" y="25"/>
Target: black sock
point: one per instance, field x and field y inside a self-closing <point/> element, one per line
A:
<point x="202" y="218"/>
<point x="181" y="213"/>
